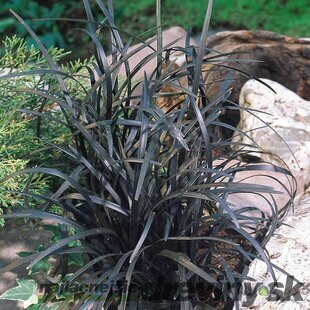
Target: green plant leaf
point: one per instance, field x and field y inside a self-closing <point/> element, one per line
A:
<point x="25" y="291"/>
<point x="56" y="230"/>
<point x="42" y="306"/>
<point x="75" y="259"/>
<point x="34" y="307"/>
<point x="42" y="266"/>
<point x="49" y="251"/>
<point x="24" y="253"/>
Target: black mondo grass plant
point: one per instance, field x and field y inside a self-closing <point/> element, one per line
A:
<point x="143" y="192"/>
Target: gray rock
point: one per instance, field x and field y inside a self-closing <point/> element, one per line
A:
<point x="262" y="202"/>
<point x="281" y="129"/>
<point x="268" y="55"/>
<point x="288" y="249"/>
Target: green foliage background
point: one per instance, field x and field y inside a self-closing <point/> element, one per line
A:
<point x="290" y="17"/>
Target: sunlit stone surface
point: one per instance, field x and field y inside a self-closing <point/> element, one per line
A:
<point x="284" y="116"/>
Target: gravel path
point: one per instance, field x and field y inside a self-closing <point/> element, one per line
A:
<point x="289" y="249"/>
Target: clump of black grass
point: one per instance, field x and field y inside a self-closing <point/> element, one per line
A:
<point x="152" y="216"/>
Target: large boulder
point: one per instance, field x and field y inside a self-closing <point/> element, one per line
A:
<point x="262" y="175"/>
<point x="170" y="35"/>
<point x="281" y="130"/>
<point x="283" y="59"/>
